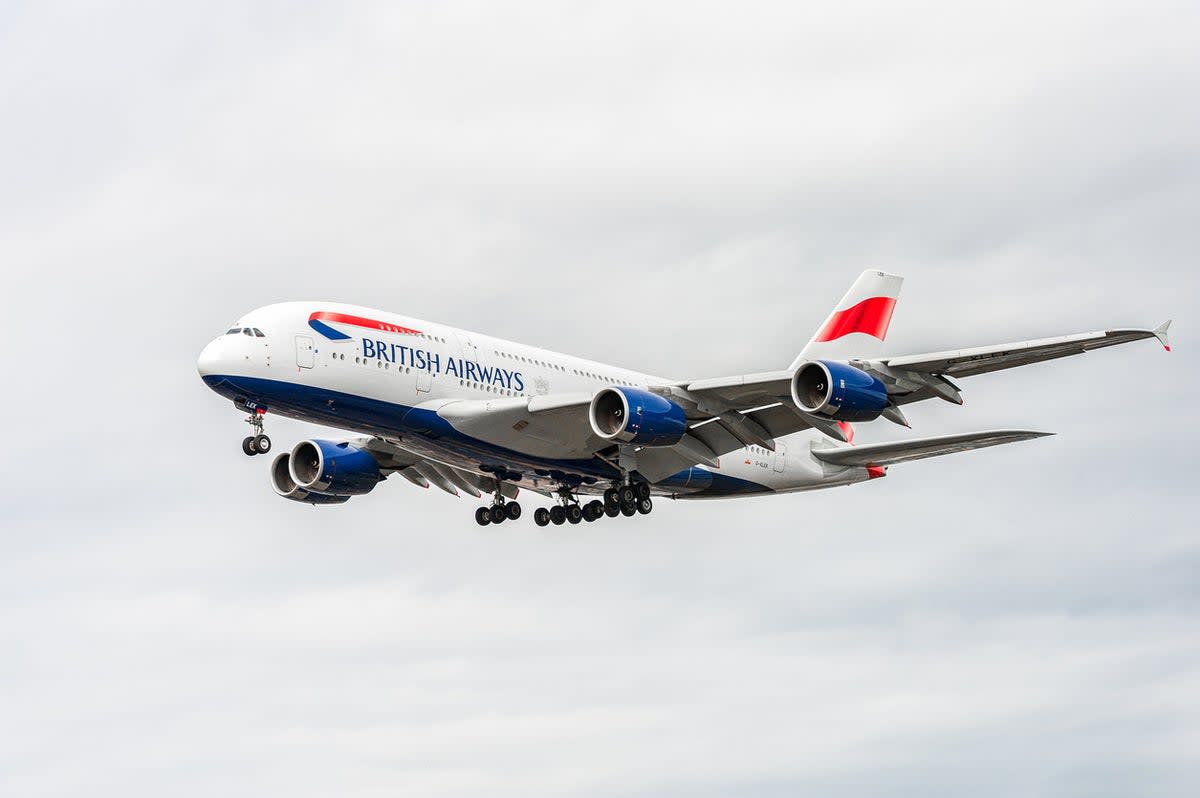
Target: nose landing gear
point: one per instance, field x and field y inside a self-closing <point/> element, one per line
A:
<point x="258" y="443"/>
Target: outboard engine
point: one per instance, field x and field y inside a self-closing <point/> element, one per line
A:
<point x="285" y="486"/>
<point x="839" y="391"/>
<point x="629" y="415"/>
<point x="329" y="467"/>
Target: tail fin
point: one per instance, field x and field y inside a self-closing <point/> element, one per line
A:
<point x="859" y="323"/>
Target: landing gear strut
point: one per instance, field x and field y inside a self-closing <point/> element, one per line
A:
<point x="258" y="443"/>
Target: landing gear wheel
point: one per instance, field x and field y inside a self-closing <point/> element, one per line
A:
<point x="628" y="509"/>
<point x="627" y="494"/>
<point x="612" y="510"/>
<point x="541" y="516"/>
<point x="644" y="506"/>
<point x="497" y="513"/>
<point x="643" y="490"/>
<point x="248" y="446"/>
<point x="593" y="510"/>
<point x="482" y="516"/>
<point x="262" y="444"/>
<point x="574" y="514"/>
<point x="611" y="499"/>
<point x="557" y="515"/>
<point x="512" y="510"/>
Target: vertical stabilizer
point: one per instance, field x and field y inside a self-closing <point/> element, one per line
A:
<point x="859" y="323"/>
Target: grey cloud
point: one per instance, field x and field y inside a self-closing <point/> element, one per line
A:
<point x="683" y="189"/>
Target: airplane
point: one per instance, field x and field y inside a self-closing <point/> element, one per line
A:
<point x="470" y="413"/>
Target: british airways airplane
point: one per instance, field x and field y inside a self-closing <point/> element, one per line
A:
<point x="469" y="413"/>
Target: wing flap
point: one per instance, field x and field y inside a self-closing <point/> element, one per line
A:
<point x="885" y="454"/>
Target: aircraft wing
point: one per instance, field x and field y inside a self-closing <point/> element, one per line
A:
<point x="557" y="427"/>
<point x="910" y="373"/>
<point x="422" y="472"/>
<point x="886" y="454"/>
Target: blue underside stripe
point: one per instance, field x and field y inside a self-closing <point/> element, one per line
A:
<point x="376" y="417"/>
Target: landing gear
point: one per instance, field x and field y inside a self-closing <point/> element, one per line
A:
<point x="626" y="499"/>
<point x="500" y="511"/>
<point x="258" y="443"/>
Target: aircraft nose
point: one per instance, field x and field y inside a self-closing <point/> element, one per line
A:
<point x="209" y="362"/>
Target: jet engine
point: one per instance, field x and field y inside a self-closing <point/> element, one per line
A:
<point x="839" y="391"/>
<point x="285" y="486"/>
<point x="629" y="415"/>
<point x="333" y="468"/>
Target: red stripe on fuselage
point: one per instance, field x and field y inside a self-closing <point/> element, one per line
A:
<point x="359" y="321"/>
<point x="871" y="316"/>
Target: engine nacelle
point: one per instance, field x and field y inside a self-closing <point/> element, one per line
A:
<point x="285" y="486"/>
<point x="839" y="391"/>
<point x="332" y="468"/>
<point x="629" y="415"/>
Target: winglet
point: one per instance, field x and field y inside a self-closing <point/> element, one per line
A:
<point x="1160" y="332"/>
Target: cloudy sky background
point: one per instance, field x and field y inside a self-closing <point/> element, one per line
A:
<point x="683" y="188"/>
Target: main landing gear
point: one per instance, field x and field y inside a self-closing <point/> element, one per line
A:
<point x="258" y="443"/>
<point x="501" y="510"/>
<point x="628" y="499"/>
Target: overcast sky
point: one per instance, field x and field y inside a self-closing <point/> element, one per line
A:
<point x="684" y="188"/>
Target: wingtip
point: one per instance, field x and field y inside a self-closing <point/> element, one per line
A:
<point x="1160" y="332"/>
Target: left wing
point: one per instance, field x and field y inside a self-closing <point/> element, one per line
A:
<point x="886" y="454"/>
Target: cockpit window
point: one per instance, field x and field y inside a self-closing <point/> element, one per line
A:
<point x="258" y="333"/>
<point x="246" y="331"/>
<point x="234" y="331"/>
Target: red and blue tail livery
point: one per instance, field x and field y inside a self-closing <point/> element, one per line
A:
<point x="494" y="419"/>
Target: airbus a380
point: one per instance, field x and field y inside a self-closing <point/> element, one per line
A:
<point x="469" y="413"/>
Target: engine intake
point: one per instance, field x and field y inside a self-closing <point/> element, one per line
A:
<point x="329" y="467"/>
<point x="285" y="486"/>
<point x="629" y="415"/>
<point x="838" y="390"/>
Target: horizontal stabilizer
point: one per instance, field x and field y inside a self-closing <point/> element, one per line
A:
<point x="886" y="454"/>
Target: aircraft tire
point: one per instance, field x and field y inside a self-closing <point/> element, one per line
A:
<point x="557" y="515"/>
<point x="643" y="490"/>
<point x="248" y="446"/>
<point x="541" y="516"/>
<point x="628" y="510"/>
<point x="627" y="494"/>
<point x="262" y="444"/>
<point x="483" y="516"/>
<point x="644" y="506"/>
<point x="595" y="509"/>
<point x="574" y="514"/>
<point x="611" y="499"/>
<point x="612" y="510"/>
<point x="512" y="510"/>
<point x="497" y="513"/>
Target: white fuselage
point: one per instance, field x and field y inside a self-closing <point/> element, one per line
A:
<point x="384" y="374"/>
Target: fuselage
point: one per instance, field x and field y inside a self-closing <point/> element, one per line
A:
<point x="383" y="374"/>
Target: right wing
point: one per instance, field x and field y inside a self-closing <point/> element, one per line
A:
<point x="886" y="454"/>
<point x="912" y="378"/>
